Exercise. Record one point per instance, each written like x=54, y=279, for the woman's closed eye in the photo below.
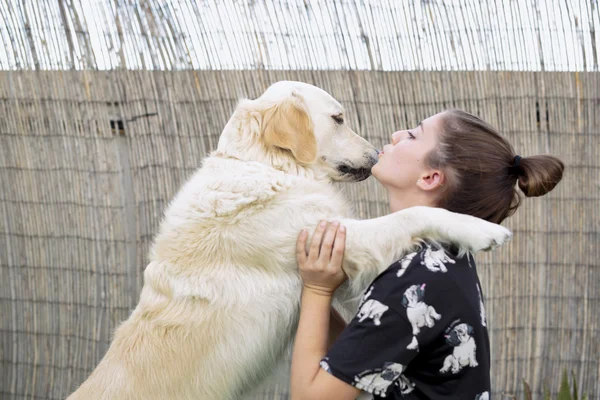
x=410, y=135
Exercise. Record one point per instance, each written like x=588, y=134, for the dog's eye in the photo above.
x=338, y=119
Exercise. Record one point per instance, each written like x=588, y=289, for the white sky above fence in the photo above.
x=388, y=35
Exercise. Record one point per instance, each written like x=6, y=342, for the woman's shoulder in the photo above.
x=431, y=265
x=432, y=259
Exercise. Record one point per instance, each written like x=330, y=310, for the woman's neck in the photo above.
x=400, y=201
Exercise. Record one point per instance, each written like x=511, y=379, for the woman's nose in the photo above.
x=396, y=137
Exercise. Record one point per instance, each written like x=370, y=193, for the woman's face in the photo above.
x=402, y=162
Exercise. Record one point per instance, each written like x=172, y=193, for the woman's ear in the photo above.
x=431, y=180
x=288, y=126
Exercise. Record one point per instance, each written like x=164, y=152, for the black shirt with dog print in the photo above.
x=420, y=332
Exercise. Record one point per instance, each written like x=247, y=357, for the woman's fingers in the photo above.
x=301, y=247
x=337, y=255
x=315, y=244
x=327, y=244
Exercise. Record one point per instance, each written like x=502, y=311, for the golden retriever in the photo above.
x=220, y=301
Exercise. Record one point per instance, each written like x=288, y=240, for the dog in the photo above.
x=435, y=260
x=405, y=385
x=463, y=354
x=379, y=381
x=419, y=314
x=221, y=296
x=404, y=263
x=372, y=309
x=481, y=307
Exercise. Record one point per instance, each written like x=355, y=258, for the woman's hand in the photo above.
x=321, y=269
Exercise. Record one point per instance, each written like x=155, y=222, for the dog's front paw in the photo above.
x=413, y=345
x=475, y=234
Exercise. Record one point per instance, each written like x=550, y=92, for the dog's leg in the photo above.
x=472, y=361
x=413, y=345
x=372, y=245
x=416, y=329
x=430, y=315
x=428, y=320
x=447, y=364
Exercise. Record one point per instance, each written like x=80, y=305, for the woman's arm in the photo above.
x=322, y=273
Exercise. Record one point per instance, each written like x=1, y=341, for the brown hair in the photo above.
x=481, y=169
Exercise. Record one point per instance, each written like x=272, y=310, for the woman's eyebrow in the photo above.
x=422, y=126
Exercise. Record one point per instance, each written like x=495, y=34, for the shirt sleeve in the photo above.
x=398, y=315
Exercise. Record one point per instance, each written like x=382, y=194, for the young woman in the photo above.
x=420, y=332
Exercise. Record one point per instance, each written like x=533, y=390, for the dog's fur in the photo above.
x=221, y=292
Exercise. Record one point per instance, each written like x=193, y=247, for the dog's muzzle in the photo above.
x=354, y=174
x=357, y=174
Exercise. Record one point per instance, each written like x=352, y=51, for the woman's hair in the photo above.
x=481, y=169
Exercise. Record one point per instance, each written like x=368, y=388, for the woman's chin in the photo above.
x=374, y=171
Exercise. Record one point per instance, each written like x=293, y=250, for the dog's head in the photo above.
x=460, y=334
x=391, y=371
x=296, y=124
x=413, y=295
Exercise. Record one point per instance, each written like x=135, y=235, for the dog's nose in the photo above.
x=374, y=157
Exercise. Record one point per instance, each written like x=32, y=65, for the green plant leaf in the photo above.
x=564, y=392
x=546, y=392
x=527, y=390
x=575, y=394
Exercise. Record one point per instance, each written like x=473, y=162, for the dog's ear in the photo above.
x=287, y=125
x=405, y=301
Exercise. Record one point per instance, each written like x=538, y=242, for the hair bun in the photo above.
x=537, y=175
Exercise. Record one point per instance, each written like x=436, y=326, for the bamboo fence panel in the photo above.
x=82, y=199
x=106, y=107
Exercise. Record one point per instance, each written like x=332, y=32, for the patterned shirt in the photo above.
x=420, y=332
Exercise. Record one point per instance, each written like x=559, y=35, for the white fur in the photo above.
x=221, y=293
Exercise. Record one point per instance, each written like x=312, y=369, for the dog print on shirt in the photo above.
x=404, y=263
x=379, y=380
x=404, y=384
x=372, y=309
x=463, y=355
x=412, y=307
x=435, y=260
x=366, y=296
x=481, y=307
x=325, y=365
x=418, y=313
